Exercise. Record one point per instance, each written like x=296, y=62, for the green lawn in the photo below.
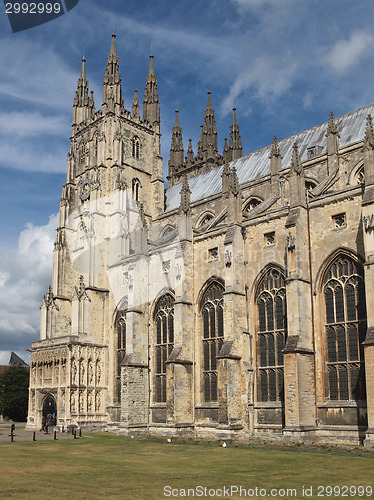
x=102, y=465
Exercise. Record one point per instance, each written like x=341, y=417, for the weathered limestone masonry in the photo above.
x=237, y=302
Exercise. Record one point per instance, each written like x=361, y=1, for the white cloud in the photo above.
x=348, y=52
x=266, y=78
x=25, y=273
x=33, y=155
x=30, y=71
x=31, y=124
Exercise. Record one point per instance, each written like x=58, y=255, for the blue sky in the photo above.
x=284, y=64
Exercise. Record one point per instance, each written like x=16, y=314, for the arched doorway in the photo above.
x=50, y=409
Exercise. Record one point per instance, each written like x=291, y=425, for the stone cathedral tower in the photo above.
x=237, y=302
x=114, y=183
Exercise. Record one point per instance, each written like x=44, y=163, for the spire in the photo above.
x=83, y=70
x=83, y=107
x=235, y=144
x=369, y=134
x=295, y=162
x=234, y=182
x=185, y=206
x=369, y=161
x=151, y=70
x=113, y=45
x=176, y=148
x=275, y=153
x=151, y=106
x=112, y=92
x=226, y=152
x=209, y=132
x=296, y=180
x=234, y=203
x=135, y=105
x=332, y=145
x=331, y=127
x=189, y=157
x=275, y=166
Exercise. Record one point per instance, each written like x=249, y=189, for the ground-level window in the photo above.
x=212, y=316
x=164, y=342
x=345, y=329
x=120, y=328
x=271, y=335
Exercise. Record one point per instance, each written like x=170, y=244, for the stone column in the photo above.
x=232, y=393
x=368, y=240
x=179, y=390
x=299, y=379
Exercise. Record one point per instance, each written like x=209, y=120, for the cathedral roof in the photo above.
x=351, y=129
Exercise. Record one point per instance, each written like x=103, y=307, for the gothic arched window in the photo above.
x=344, y=292
x=164, y=342
x=135, y=189
x=135, y=147
x=120, y=331
x=212, y=316
x=271, y=335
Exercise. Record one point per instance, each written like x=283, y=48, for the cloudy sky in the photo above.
x=284, y=64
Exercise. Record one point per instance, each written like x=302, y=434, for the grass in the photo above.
x=102, y=465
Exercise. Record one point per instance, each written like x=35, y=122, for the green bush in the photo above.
x=14, y=393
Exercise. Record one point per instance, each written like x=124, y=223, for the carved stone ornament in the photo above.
x=291, y=242
x=80, y=290
x=128, y=280
x=368, y=221
x=178, y=272
x=228, y=258
x=49, y=300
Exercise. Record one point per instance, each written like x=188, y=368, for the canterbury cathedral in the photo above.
x=235, y=303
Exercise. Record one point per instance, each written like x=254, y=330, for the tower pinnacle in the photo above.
x=112, y=92
x=151, y=106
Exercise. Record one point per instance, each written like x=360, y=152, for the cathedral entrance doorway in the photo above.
x=50, y=409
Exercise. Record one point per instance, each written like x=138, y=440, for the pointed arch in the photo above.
x=211, y=308
x=204, y=218
x=357, y=174
x=136, y=186
x=271, y=333
x=135, y=147
x=250, y=203
x=120, y=341
x=342, y=251
x=163, y=318
x=343, y=289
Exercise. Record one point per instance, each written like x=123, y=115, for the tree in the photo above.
x=14, y=392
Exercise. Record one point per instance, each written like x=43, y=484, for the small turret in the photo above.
x=135, y=105
x=176, y=148
x=235, y=143
x=369, y=155
x=332, y=145
x=189, y=157
x=112, y=92
x=84, y=106
x=275, y=166
x=151, y=106
x=297, y=180
x=209, y=132
x=185, y=206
